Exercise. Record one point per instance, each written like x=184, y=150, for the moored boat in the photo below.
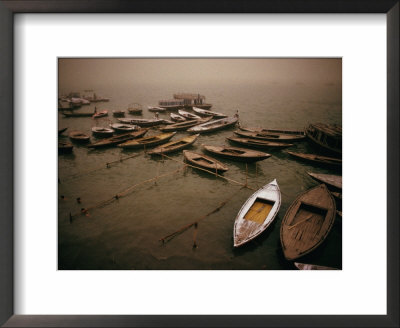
x=332, y=180
x=118, y=113
x=156, y=109
x=142, y=121
x=237, y=154
x=184, y=125
x=214, y=125
x=204, y=112
x=147, y=141
x=307, y=222
x=65, y=147
x=174, y=146
x=205, y=162
x=118, y=139
x=276, y=131
x=135, y=109
x=124, y=128
x=101, y=132
x=304, y=266
x=77, y=114
x=321, y=160
x=188, y=115
x=257, y=213
x=261, y=144
x=177, y=118
x=79, y=136
x=103, y=113
x=326, y=137
x=270, y=136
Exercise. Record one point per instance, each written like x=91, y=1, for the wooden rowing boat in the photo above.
x=269, y=136
x=188, y=115
x=215, y=125
x=118, y=139
x=184, y=125
x=135, y=109
x=65, y=147
x=101, y=132
x=332, y=180
x=204, y=112
x=147, y=141
x=142, y=121
x=326, y=137
x=79, y=136
x=261, y=144
x=205, y=162
x=174, y=145
x=103, y=113
x=177, y=118
x=322, y=160
x=77, y=114
x=303, y=266
x=257, y=213
x=124, y=128
x=237, y=154
x=118, y=113
x=276, y=131
x=307, y=222
x=156, y=109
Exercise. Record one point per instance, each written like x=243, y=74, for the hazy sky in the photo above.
x=89, y=73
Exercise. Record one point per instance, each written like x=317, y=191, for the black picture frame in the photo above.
x=10, y=7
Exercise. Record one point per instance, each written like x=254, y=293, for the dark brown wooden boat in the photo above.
x=118, y=113
x=184, y=125
x=79, y=136
x=275, y=131
x=237, y=154
x=330, y=180
x=147, y=141
x=205, y=162
x=118, y=139
x=326, y=137
x=269, y=136
x=174, y=146
x=318, y=159
x=261, y=144
x=77, y=114
x=65, y=147
x=101, y=132
x=214, y=125
x=307, y=222
x=135, y=109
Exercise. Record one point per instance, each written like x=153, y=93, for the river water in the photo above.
x=125, y=234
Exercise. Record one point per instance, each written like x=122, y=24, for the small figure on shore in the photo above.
x=237, y=114
x=156, y=115
x=95, y=109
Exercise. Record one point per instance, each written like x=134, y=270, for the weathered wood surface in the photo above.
x=204, y=161
x=147, y=141
x=304, y=266
x=174, y=145
x=261, y=144
x=322, y=160
x=257, y=213
x=214, y=125
x=329, y=179
x=307, y=222
x=270, y=136
x=119, y=139
x=237, y=154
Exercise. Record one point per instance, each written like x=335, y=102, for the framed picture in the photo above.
x=166, y=291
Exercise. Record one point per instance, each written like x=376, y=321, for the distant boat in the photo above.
x=60, y=131
x=329, y=179
x=307, y=222
x=79, y=136
x=118, y=139
x=257, y=213
x=204, y=112
x=280, y=137
x=261, y=144
x=124, y=128
x=177, y=118
x=318, y=159
x=188, y=115
x=101, y=132
x=214, y=125
x=237, y=154
x=184, y=125
x=65, y=147
x=103, y=113
x=275, y=131
x=142, y=121
x=118, y=113
x=205, y=162
x=147, y=141
x=174, y=146
x=77, y=114
x=303, y=266
x=190, y=100
x=156, y=109
x=135, y=109
x=326, y=137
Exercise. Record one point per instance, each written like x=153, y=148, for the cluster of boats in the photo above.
x=75, y=100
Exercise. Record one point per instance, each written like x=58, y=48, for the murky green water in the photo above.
x=125, y=234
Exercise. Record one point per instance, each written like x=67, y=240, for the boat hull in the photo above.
x=237, y=154
x=204, y=162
